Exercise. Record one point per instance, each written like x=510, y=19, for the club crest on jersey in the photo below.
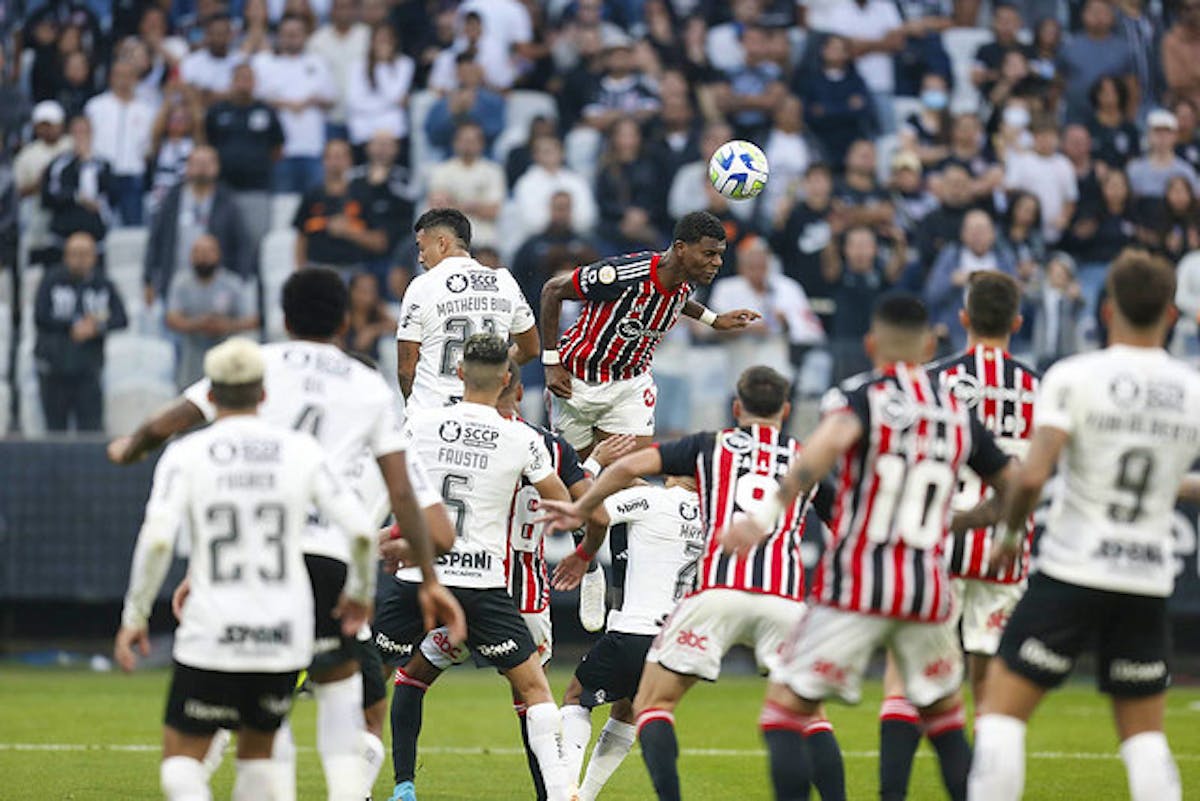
x=607, y=274
x=457, y=283
x=738, y=442
x=450, y=431
x=967, y=388
x=897, y=410
x=689, y=511
x=630, y=329
x=1125, y=391
x=222, y=451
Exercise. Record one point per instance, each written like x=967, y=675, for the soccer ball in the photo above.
x=738, y=170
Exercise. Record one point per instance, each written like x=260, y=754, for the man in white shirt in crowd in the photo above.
x=471, y=183
x=30, y=166
x=1150, y=174
x=209, y=69
x=121, y=126
x=876, y=33
x=342, y=42
x=546, y=176
x=299, y=87
x=1048, y=175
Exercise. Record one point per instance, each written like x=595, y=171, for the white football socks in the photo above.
x=1153, y=775
x=615, y=741
x=255, y=780
x=183, y=779
x=373, y=755
x=576, y=732
x=998, y=766
x=283, y=755
x=340, y=727
x=543, y=723
x=216, y=752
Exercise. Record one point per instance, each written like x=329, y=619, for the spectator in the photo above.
x=520, y=158
x=1115, y=139
x=927, y=131
x=623, y=90
x=162, y=54
x=388, y=189
x=342, y=43
x=532, y=264
x=471, y=100
x=14, y=104
x=787, y=329
x=508, y=29
x=1017, y=84
x=377, y=89
x=1097, y=51
x=629, y=192
x=1102, y=230
x=911, y=200
x=1187, y=139
x=1043, y=58
x=674, y=135
x=1181, y=53
x=580, y=80
x=966, y=149
x=205, y=305
x=178, y=128
x=488, y=52
x=471, y=183
x=978, y=250
x=753, y=90
x=334, y=222
x=942, y=226
x=686, y=193
x=806, y=231
x=725, y=43
x=299, y=87
x=369, y=318
x=1058, y=310
x=1141, y=27
x=255, y=34
x=1149, y=174
x=923, y=52
x=121, y=126
x=30, y=166
x=1022, y=234
x=76, y=86
x=858, y=195
x=859, y=277
x=1006, y=27
x=75, y=308
x=198, y=206
x=209, y=68
x=1046, y=173
x=533, y=190
x=1077, y=147
x=789, y=151
x=836, y=101
x=78, y=190
x=1174, y=223
x=875, y=33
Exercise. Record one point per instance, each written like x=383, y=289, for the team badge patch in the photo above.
x=738, y=442
x=607, y=274
x=450, y=431
x=457, y=283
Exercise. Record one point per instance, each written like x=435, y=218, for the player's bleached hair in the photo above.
x=695, y=225
x=451, y=219
x=763, y=391
x=1142, y=286
x=901, y=311
x=315, y=301
x=993, y=302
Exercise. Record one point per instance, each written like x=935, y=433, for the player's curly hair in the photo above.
x=315, y=301
x=695, y=225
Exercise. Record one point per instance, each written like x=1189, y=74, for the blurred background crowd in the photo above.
x=165, y=165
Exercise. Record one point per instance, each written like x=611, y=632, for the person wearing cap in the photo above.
x=912, y=200
x=31, y=163
x=1149, y=175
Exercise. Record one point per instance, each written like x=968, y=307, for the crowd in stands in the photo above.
x=912, y=142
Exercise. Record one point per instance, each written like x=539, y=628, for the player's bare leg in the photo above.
x=899, y=735
x=408, y=701
x=998, y=769
x=658, y=694
x=181, y=775
x=1148, y=762
x=529, y=683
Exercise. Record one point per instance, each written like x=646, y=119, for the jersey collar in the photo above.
x=654, y=260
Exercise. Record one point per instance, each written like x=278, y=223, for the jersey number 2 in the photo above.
x=458, y=330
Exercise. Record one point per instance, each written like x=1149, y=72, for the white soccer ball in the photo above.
x=738, y=170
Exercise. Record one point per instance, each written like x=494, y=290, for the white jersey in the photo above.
x=445, y=306
x=477, y=459
x=666, y=541
x=316, y=388
x=247, y=487
x=1133, y=416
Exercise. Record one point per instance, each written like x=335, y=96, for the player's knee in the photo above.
x=375, y=715
x=182, y=779
x=529, y=683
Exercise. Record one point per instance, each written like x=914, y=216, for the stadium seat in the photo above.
x=905, y=107
x=885, y=148
x=510, y=232
x=283, y=210
x=6, y=334
x=961, y=44
x=277, y=260
x=419, y=149
x=134, y=357
x=582, y=150
x=5, y=408
x=522, y=107
x=32, y=422
x=127, y=405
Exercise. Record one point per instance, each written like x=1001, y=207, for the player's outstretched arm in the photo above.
x=554, y=292
x=566, y=516
x=570, y=571
x=726, y=321
x=1023, y=493
x=179, y=416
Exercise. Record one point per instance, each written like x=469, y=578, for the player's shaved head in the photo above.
x=315, y=301
x=450, y=220
x=763, y=391
x=514, y=379
x=1141, y=286
x=993, y=303
x=485, y=363
x=899, y=330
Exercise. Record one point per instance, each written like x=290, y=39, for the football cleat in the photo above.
x=591, y=599
x=404, y=792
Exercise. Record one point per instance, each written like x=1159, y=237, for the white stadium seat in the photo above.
x=905, y=107
x=125, y=406
x=419, y=149
x=32, y=422
x=522, y=106
x=6, y=341
x=283, y=210
x=132, y=357
x=277, y=260
x=961, y=44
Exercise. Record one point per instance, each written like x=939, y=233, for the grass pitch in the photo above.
x=94, y=737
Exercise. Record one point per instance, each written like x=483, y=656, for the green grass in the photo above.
x=1072, y=745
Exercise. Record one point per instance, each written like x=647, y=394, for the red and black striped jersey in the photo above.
x=626, y=313
x=736, y=469
x=1000, y=390
x=894, y=487
x=525, y=564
